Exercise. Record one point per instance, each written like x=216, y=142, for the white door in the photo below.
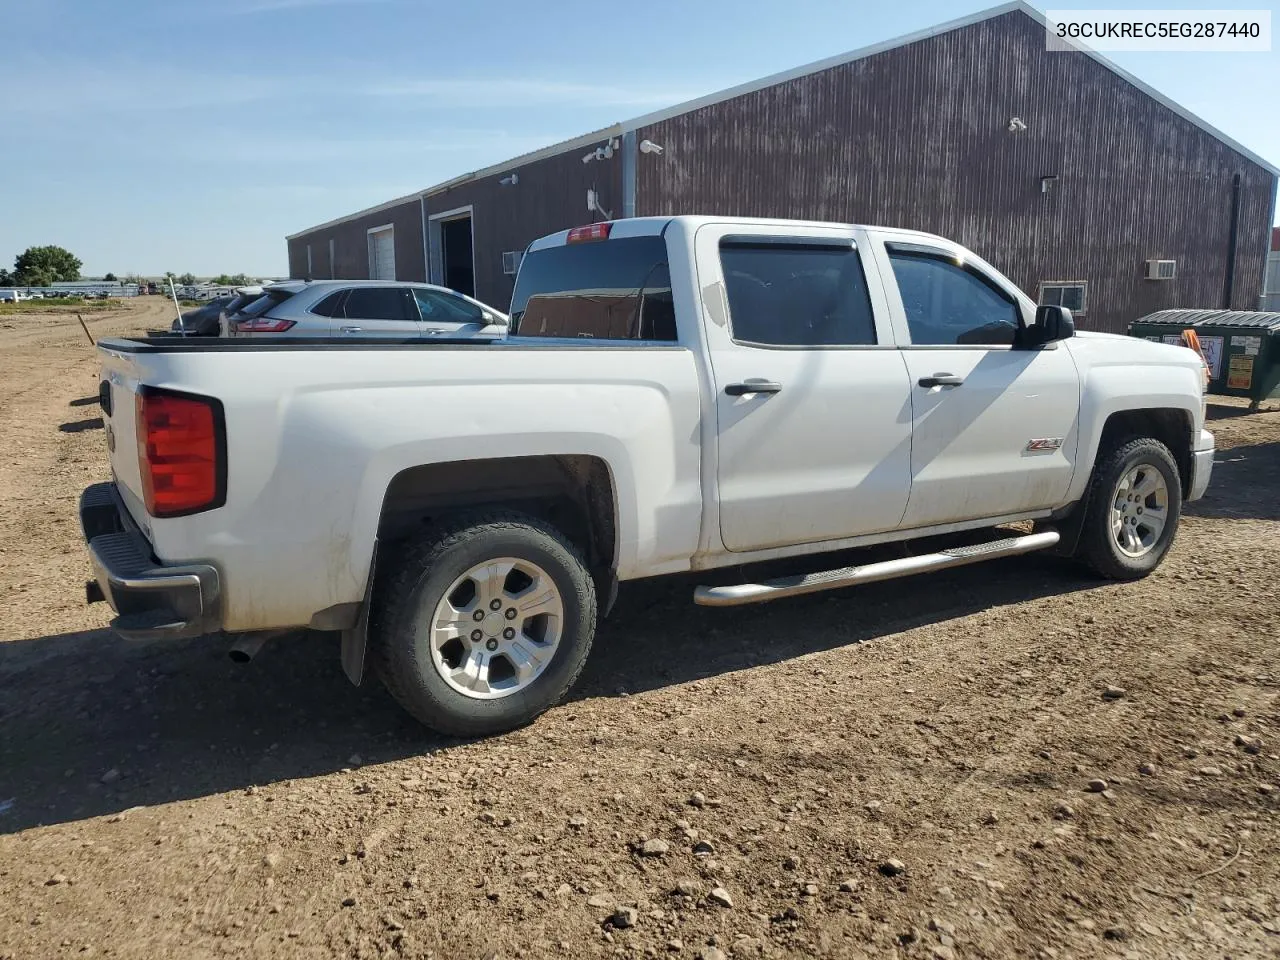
x=382, y=254
x=993, y=424
x=813, y=403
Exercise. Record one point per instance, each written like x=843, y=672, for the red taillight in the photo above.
x=592, y=231
x=263, y=325
x=180, y=445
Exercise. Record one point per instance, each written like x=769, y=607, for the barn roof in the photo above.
x=648, y=119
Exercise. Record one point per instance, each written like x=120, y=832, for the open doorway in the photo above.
x=453, y=251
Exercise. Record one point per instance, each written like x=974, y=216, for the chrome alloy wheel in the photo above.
x=1139, y=510
x=497, y=628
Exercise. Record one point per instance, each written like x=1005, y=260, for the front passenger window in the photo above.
x=947, y=304
x=442, y=308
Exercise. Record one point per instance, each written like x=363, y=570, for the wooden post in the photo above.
x=86, y=330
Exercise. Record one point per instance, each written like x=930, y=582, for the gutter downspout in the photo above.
x=1229, y=283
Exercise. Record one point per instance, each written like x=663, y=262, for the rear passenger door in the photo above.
x=378, y=312
x=812, y=399
x=444, y=315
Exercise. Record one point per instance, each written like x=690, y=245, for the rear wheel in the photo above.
x=1135, y=503
x=485, y=623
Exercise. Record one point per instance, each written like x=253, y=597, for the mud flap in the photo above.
x=356, y=639
x=1071, y=525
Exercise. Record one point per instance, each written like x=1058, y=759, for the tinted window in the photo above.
x=272, y=298
x=608, y=289
x=330, y=306
x=947, y=304
x=379, y=303
x=796, y=294
x=442, y=308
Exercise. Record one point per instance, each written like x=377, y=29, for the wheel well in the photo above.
x=573, y=493
x=1171, y=427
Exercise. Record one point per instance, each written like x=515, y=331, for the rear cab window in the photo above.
x=611, y=289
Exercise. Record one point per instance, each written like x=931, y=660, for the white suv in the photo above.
x=365, y=308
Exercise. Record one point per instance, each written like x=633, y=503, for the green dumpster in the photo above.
x=1242, y=347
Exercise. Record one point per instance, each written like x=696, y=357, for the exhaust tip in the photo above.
x=246, y=646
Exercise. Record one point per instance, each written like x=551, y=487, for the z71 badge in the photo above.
x=1044, y=443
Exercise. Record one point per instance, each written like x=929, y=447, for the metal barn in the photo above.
x=1085, y=186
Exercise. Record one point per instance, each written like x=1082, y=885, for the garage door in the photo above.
x=382, y=254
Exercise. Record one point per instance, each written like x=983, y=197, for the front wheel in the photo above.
x=484, y=624
x=1135, y=502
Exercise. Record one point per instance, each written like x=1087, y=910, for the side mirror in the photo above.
x=1052, y=324
x=496, y=319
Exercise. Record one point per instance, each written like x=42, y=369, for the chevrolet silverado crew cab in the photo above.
x=678, y=394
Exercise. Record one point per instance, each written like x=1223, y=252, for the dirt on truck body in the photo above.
x=1007, y=760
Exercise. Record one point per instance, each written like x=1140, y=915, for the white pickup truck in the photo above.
x=678, y=394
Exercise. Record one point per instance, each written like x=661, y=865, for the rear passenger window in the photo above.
x=793, y=293
x=606, y=289
x=948, y=304
x=380, y=303
x=330, y=306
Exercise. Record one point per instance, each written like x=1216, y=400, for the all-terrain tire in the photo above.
x=416, y=580
x=1098, y=546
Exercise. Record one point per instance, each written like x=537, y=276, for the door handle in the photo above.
x=352, y=329
x=752, y=386
x=941, y=380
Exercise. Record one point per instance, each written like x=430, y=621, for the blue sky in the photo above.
x=153, y=135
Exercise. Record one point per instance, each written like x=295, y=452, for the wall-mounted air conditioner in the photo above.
x=1162, y=269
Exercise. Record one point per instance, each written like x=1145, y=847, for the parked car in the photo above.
x=680, y=394
x=365, y=308
x=209, y=320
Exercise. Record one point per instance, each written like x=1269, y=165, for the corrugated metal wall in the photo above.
x=918, y=137
x=351, y=246
x=551, y=195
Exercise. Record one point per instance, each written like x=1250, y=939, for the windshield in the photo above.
x=607, y=289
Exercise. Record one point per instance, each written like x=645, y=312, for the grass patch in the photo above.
x=60, y=305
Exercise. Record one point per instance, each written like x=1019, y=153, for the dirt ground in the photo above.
x=900, y=770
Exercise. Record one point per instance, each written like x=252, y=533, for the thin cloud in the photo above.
x=512, y=92
x=272, y=6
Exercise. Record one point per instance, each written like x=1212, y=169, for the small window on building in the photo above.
x=1064, y=293
x=511, y=262
x=793, y=293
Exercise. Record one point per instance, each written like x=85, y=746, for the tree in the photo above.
x=6, y=278
x=231, y=279
x=42, y=266
x=110, y=278
x=186, y=280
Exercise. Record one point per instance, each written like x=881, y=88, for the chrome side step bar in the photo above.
x=740, y=593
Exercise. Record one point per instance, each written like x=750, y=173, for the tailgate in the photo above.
x=117, y=391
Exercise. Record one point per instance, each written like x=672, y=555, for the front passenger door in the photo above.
x=379, y=312
x=993, y=425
